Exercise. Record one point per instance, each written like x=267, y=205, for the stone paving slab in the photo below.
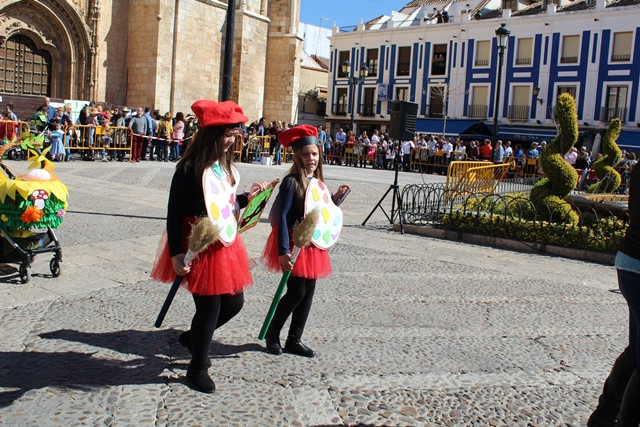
x=409, y=330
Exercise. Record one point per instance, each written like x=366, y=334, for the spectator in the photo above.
x=533, y=152
x=177, y=136
x=138, y=126
x=508, y=151
x=572, y=156
x=148, y=142
x=486, y=151
x=164, y=131
x=338, y=147
x=407, y=148
x=39, y=121
x=49, y=111
x=498, y=152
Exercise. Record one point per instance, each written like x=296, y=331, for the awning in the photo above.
x=453, y=127
x=629, y=140
x=523, y=134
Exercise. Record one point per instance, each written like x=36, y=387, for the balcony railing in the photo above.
x=481, y=62
x=608, y=114
x=339, y=109
x=618, y=58
x=368, y=110
x=569, y=60
x=477, y=111
x=434, y=111
x=518, y=112
x=523, y=61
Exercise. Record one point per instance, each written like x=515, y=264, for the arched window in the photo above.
x=24, y=69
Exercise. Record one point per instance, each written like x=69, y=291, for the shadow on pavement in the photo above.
x=25, y=371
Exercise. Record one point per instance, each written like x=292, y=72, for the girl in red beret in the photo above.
x=301, y=190
x=204, y=185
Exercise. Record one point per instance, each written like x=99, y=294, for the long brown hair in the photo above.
x=299, y=172
x=205, y=149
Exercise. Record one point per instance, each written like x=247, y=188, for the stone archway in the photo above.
x=56, y=28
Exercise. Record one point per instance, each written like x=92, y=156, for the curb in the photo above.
x=509, y=244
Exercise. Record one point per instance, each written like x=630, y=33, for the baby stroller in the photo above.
x=31, y=206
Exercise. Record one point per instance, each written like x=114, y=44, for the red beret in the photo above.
x=299, y=136
x=212, y=113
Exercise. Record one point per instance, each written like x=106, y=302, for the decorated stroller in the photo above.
x=31, y=206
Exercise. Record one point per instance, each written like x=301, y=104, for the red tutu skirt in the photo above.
x=311, y=262
x=218, y=270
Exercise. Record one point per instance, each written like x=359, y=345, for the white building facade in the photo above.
x=443, y=56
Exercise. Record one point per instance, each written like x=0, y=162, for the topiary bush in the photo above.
x=561, y=177
x=609, y=178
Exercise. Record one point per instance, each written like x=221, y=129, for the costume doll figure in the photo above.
x=302, y=187
x=204, y=185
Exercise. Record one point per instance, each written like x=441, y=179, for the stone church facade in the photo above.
x=159, y=53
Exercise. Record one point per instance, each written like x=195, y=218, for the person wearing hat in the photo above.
x=204, y=186
x=312, y=262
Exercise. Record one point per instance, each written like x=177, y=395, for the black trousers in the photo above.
x=297, y=303
x=212, y=311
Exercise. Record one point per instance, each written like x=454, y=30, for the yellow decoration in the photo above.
x=215, y=212
x=315, y=194
x=9, y=187
x=325, y=215
x=4, y=218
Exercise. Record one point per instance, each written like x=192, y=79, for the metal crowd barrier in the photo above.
x=102, y=138
x=12, y=128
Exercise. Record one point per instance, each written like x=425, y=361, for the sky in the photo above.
x=346, y=12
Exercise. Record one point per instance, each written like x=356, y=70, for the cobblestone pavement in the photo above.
x=408, y=331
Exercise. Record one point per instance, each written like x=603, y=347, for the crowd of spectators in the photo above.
x=153, y=136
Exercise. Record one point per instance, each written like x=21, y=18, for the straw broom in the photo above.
x=203, y=233
x=301, y=236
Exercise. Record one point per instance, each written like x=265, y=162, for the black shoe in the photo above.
x=299, y=349
x=273, y=344
x=200, y=380
x=185, y=340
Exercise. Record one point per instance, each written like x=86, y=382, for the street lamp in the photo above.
x=502, y=35
x=353, y=83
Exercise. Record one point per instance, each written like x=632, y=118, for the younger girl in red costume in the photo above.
x=204, y=184
x=301, y=190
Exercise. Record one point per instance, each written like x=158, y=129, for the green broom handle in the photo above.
x=276, y=298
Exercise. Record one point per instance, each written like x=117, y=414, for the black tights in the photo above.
x=212, y=311
x=296, y=301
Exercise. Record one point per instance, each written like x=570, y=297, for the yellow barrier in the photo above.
x=88, y=137
x=11, y=128
x=478, y=177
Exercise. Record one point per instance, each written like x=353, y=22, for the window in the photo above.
x=571, y=90
x=436, y=101
x=519, y=108
x=372, y=62
x=404, y=61
x=439, y=60
x=616, y=103
x=570, y=49
x=340, y=108
x=343, y=56
x=402, y=94
x=483, y=49
x=479, y=97
x=621, y=47
x=24, y=69
x=524, y=52
x=369, y=104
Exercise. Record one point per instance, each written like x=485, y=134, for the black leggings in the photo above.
x=212, y=311
x=298, y=301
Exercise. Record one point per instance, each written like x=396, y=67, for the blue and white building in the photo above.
x=443, y=56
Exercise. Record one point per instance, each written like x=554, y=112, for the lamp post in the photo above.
x=354, y=81
x=502, y=35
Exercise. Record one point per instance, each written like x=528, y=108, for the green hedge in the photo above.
x=603, y=236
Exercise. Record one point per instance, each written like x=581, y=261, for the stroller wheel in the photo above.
x=55, y=267
x=25, y=273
